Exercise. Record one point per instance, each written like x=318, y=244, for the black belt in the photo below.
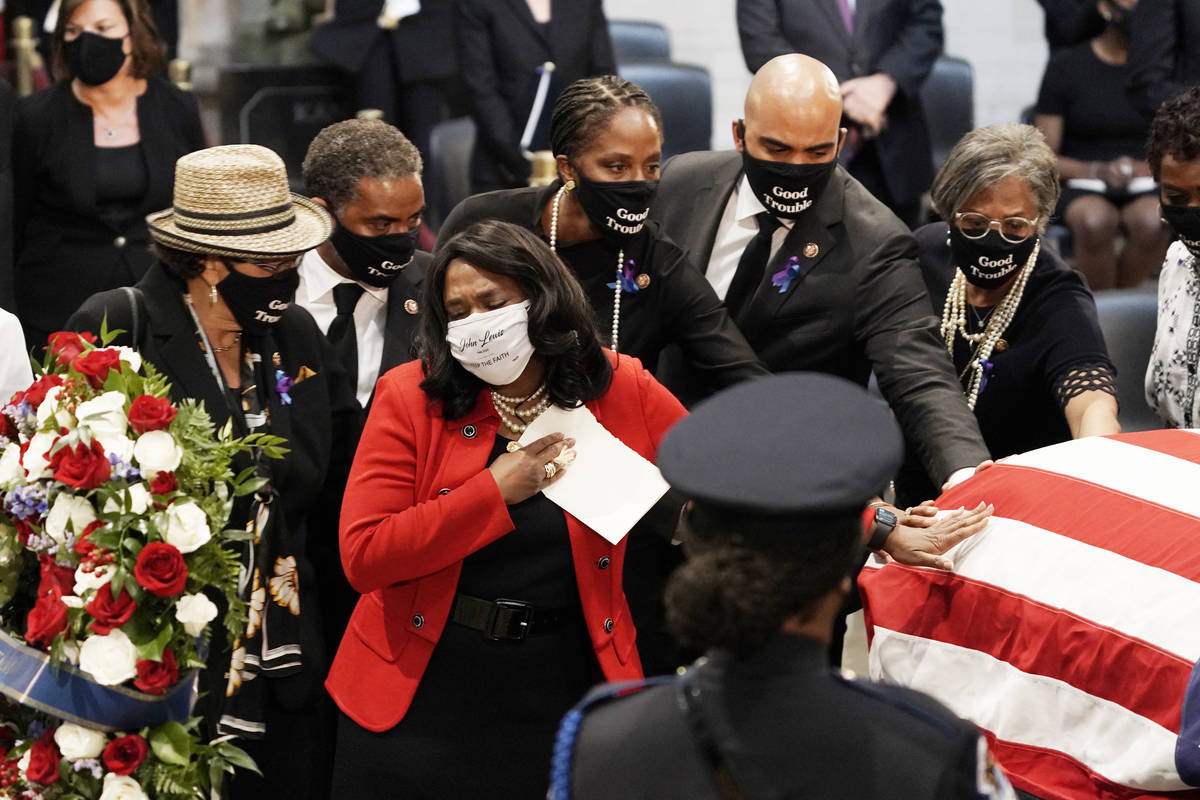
x=508, y=620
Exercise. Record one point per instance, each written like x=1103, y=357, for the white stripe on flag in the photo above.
x=1110, y=740
x=1093, y=583
x=1148, y=474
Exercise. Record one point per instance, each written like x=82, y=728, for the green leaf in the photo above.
x=237, y=756
x=153, y=649
x=171, y=743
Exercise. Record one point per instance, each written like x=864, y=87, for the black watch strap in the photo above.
x=885, y=523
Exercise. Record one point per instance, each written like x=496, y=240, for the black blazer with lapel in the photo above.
x=901, y=38
x=500, y=48
x=65, y=251
x=423, y=44
x=857, y=305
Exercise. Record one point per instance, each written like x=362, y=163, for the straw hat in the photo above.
x=234, y=201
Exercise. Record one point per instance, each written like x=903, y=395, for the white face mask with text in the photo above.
x=493, y=346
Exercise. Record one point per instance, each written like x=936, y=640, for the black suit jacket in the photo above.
x=8, y=101
x=65, y=251
x=500, y=48
x=901, y=38
x=858, y=304
x=422, y=44
x=1163, y=58
x=787, y=727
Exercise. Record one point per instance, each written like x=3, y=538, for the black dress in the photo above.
x=483, y=720
x=1054, y=350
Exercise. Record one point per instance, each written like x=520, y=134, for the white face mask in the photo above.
x=494, y=345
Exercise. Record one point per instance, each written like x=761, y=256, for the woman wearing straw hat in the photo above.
x=215, y=316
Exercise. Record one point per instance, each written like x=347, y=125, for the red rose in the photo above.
x=124, y=754
x=83, y=545
x=36, y=392
x=160, y=569
x=24, y=529
x=155, y=677
x=43, y=759
x=66, y=346
x=148, y=413
x=84, y=467
x=163, y=483
x=110, y=613
x=52, y=575
x=47, y=618
x=8, y=430
x=95, y=365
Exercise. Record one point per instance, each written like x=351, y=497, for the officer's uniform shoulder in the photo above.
x=911, y=708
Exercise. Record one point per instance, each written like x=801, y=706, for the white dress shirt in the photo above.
x=315, y=295
x=737, y=229
x=15, y=372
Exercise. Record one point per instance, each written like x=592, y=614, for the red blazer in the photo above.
x=420, y=500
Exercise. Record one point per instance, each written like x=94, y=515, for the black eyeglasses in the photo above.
x=1012, y=229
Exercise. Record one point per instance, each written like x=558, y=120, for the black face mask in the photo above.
x=990, y=260
x=258, y=303
x=618, y=209
x=1185, y=220
x=95, y=59
x=374, y=260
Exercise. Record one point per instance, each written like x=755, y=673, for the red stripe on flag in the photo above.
x=1032, y=637
x=1087, y=512
x=1052, y=775
x=1180, y=444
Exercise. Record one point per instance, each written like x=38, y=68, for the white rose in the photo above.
x=139, y=501
x=121, y=787
x=186, y=526
x=49, y=408
x=90, y=581
x=37, y=456
x=23, y=764
x=110, y=659
x=103, y=415
x=130, y=357
x=11, y=472
x=195, y=611
x=155, y=452
x=72, y=601
x=76, y=742
x=69, y=510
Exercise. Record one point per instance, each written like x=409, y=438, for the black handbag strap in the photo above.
x=136, y=302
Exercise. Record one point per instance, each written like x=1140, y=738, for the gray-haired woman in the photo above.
x=1019, y=324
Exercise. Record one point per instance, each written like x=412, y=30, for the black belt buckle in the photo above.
x=509, y=621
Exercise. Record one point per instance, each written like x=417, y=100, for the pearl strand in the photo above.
x=616, y=315
x=506, y=408
x=954, y=322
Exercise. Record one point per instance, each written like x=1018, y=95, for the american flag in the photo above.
x=1069, y=628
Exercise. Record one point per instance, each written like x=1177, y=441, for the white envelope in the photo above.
x=608, y=487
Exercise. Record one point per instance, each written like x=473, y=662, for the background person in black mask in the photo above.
x=361, y=286
x=215, y=316
x=1173, y=151
x=92, y=155
x=607, y=136
x=816, y=272
x=1020, y=324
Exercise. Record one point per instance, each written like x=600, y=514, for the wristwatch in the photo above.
x=885, y=522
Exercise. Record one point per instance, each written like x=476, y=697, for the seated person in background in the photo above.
x=1019, y=324
x=487, y=609
x=1070, y=21
x=361, y=287
x=1089, y=121
x=1173, y=151
x=92, y=156
x=772, y=533
x=1163, y=56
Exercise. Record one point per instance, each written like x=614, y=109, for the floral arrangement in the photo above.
x=113, y=548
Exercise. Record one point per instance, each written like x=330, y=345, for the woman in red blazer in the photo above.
x=487, y=610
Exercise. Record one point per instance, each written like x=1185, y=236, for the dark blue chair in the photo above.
x=1128, y=318
x=683, y=93
x=448, y=170
x=948, y=97
x=639, y=41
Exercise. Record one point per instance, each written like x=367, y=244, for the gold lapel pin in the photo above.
x=642, y=281
x=1001, y=345
x=811, y=250
x=410, y=306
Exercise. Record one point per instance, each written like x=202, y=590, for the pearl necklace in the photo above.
x=506, y=407
x=616, y=315
x=954, y=322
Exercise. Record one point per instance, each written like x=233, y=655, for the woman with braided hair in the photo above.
x=1019, y=324
x=606, y=134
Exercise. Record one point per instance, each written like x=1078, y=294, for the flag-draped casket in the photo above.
x=1069, y=628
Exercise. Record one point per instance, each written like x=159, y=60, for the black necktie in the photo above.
x=341, y=331
x=751, y=265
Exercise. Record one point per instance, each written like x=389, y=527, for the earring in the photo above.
x=212, y=294
x=947, y=238
x=569, y=185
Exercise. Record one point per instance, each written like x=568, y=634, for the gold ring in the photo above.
x=551, y=470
